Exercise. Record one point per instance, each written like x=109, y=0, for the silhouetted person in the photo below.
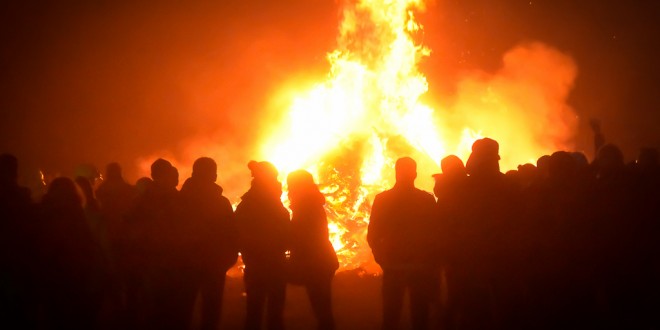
x=161, y=234
x=95, y=219
x=647, y=178
x=489, y=250
x=213, y=237
x=132, y=258
x=542, y=164
x=72, y=261
x=313, y=260
x=450, y=190
x=115, y=197
x=17, y=302
x=527, y=175
x=599, y=138
x=580, y=159
x=263, y=224
x=10, y=192
x=558, y=224
x=617, y=233
x=142, y=185
x=108, y=281
x=89, y=172
x=399, y=235
x=453, y=175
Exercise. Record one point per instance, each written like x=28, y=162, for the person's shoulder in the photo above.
x=248, y=202
x=187, y=186
x=242, y=209
x=384, y=195
x=389, y=192
x=423, y=194
x=224, y=200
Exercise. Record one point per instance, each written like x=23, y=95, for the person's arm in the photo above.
x=599, y=138
x=374, y=230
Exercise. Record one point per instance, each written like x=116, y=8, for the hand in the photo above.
x=595, y=125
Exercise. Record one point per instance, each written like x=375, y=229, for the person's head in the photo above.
x=113, y=172
x=484, y=159
x=85, y=187
x=264, y=176
x=263, y=171
x=527, y=173
x=205, y=169
x=142, y=185
x=164, y=174
x=609, y=159
x=406, y=170
x=299, y=182
x=62, y=191
x=452, y=166
x=561, y=165
x=543, y=162
x=581, y=161
x=8, y=168
x=88, y=171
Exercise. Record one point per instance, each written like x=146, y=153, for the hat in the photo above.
x=486, y=148
x=452, y=165
x=484, y=151
x=263, y=170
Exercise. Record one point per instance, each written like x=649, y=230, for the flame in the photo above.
x=350, y=129
x=343, y=130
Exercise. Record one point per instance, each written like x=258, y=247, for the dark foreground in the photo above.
x=356, y=304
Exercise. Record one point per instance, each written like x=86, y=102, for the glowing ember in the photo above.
x=351, y=128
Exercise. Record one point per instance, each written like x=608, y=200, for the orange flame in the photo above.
x=349, y=129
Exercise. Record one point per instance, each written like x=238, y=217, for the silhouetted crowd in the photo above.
x=138, y=257
x=566, y=244
x=563, y=244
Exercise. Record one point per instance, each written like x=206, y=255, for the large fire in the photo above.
x=349, y=129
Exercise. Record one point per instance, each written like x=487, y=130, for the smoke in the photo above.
x=523, y=105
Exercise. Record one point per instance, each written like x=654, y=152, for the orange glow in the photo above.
x=349, y=129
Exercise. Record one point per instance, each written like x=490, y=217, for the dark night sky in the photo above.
x=96, y=81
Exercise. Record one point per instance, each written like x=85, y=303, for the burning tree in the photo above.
x=349, y=129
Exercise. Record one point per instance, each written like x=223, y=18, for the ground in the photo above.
x=356, y=303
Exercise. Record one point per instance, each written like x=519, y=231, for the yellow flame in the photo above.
x=341, y=129
x=349, y=130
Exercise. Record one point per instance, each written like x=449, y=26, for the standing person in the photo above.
x=399, y=237
x=213, y=237
x=449, y=189
x=115, y=197
x=160, y=232
x=71, y=261
x=313, y=260
x=489, y=236
x=132, y=259
x=263, y=226
x=17, y=300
